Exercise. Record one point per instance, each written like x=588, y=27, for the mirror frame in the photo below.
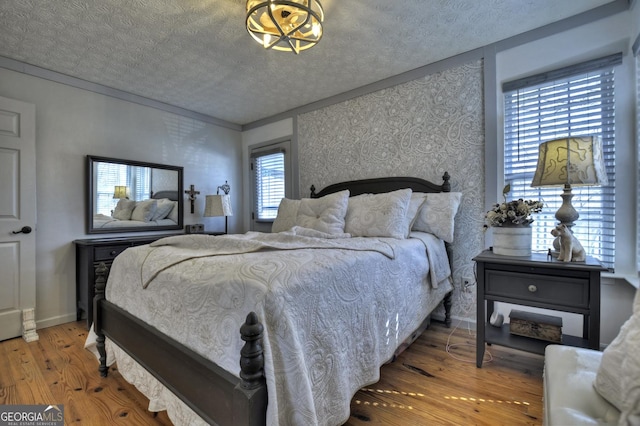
x=92, y=159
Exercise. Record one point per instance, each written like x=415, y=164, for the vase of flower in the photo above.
x=512, y=240
x=510, y=222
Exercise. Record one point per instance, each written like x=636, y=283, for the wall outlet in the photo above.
x=468, y=283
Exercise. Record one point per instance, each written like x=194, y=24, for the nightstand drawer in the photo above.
x=108, y=252
x=546, y=289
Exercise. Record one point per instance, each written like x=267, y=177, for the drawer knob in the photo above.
x=113, y=253
x=533, y=288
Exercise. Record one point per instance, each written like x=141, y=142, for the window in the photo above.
x=573, y=101
x=109, y=175
x=269, y=177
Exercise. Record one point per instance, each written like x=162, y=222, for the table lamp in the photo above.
x=219, y=205
x=121, y=192
x=567, y=162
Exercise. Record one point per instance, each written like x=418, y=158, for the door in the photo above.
x=17, y=219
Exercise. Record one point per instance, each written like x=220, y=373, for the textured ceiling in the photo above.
x=197, y=55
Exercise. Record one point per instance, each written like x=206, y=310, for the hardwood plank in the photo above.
x=425, y=385
x=68, y=373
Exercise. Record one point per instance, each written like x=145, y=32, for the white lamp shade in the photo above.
x=121, y=192
x=575, y=161
x=218, y=205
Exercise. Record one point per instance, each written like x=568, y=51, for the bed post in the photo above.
x=101, y=283
x=446, y=186
x=250, y=398
x=447, y=308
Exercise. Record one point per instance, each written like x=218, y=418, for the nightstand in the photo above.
x=541, y=282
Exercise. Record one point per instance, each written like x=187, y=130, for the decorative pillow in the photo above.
x=437, y=213
x=123, y=209
x=325, y=214
x=287, y=214
x=618, y=377
x=144, y=210
x=173, y=213
x=378, y=215
x=163, y=209
x=416, y=202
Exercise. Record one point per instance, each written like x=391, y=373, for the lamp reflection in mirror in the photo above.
x=567, y=162
x=121, y=192
x=219, y=205
x=290, y=26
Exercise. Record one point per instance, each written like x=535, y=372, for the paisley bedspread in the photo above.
x=334, y=310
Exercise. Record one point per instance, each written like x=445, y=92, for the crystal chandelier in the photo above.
x=293, y=25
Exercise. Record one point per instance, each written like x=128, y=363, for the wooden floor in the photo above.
x=426, y=385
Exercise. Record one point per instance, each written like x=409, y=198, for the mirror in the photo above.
x=130, y=196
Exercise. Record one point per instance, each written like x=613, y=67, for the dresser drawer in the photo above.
x=549, y=289
x=108, y=252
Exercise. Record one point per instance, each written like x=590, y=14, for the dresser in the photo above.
x=538, y=281
x=89, y=253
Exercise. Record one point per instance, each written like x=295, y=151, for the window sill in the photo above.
x=630, y=279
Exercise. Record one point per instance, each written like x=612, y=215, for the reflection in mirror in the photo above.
x=127, y=196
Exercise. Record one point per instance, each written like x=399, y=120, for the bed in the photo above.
x=161, y=209
x=297, y=307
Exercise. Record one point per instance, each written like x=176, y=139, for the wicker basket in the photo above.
x=536, y=326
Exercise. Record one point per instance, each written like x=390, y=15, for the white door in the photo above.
x=17, y=219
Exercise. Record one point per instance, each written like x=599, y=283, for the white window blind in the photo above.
x=110, y=175
x=573, y=101
x=269, y=177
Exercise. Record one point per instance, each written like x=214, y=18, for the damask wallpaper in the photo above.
x=421, y=128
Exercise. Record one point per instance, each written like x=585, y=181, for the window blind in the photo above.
x=269, y=177
x=572, y=104
x=137, y=179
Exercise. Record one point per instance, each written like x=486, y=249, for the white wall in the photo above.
x=72, y=123
x=604, y=37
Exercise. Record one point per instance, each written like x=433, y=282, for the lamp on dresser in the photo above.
x=219, y=205
x=567, y=162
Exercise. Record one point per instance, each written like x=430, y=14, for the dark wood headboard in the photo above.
x=385, y=184
x=172, y=195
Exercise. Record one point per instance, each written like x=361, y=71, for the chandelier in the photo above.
x=292, y=25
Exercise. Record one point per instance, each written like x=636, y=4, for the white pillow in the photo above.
x=378, y=215
x=123, y=209
x=416, y=202
x=618, y=377
x=287, y=214
x=437, y=213
x=144, y=210
x=325, y=214
x=163, y=209
x=173, y=213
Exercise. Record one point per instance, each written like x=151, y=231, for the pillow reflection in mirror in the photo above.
x=144, y=210
x=165, y=206
x=124, y=209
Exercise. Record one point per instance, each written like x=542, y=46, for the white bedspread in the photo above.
x=333, y=313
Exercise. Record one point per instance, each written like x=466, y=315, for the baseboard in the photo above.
x=50, y=322
x=460, y=322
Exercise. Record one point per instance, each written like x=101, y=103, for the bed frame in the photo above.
x=213, y=393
